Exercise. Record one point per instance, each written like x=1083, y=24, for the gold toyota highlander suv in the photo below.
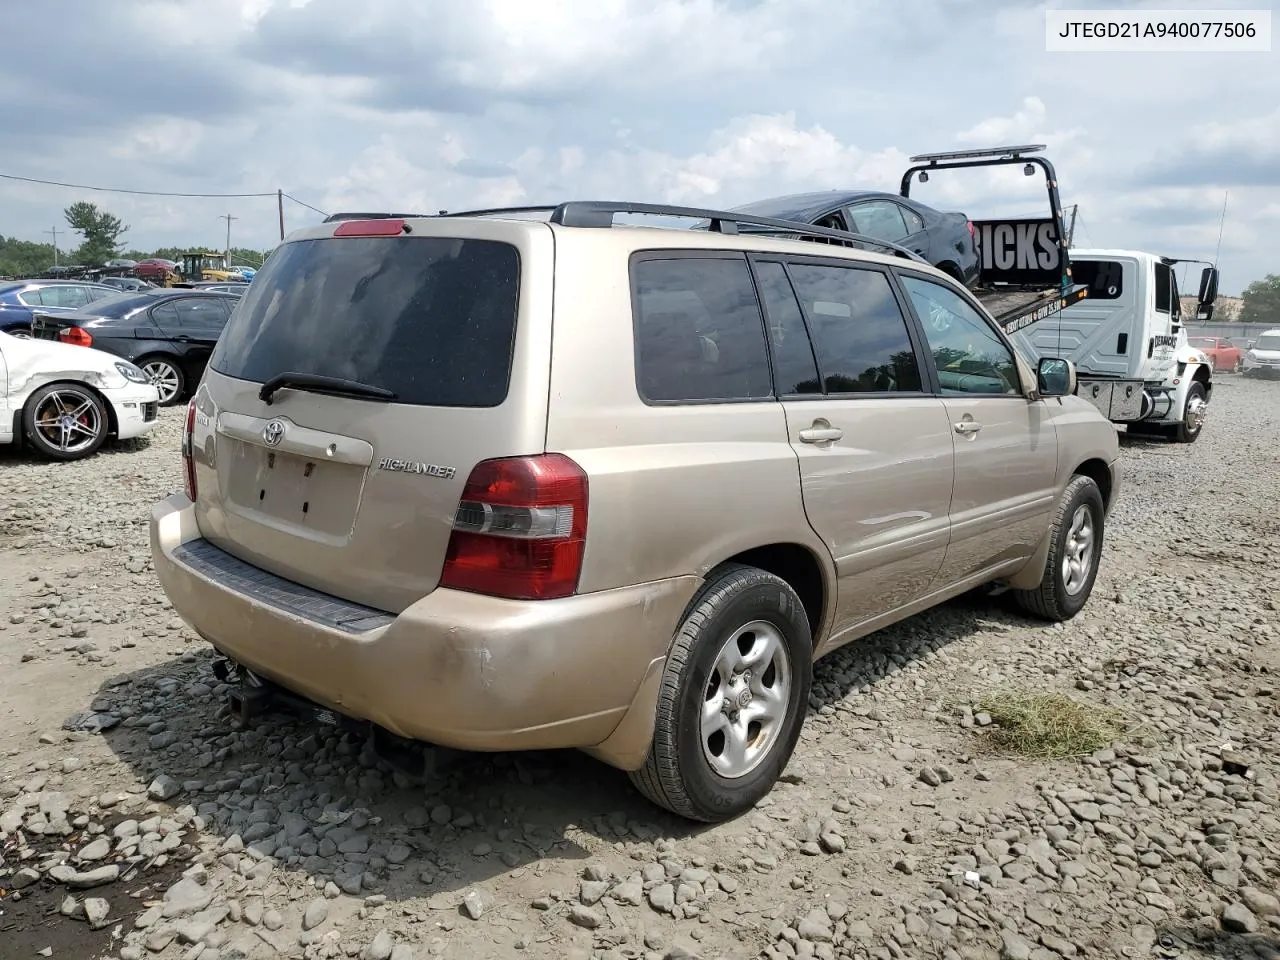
x=501, y=483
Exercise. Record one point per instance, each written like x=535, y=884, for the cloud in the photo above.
x=468, y=103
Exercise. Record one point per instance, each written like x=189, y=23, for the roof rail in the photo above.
x=335, y=217
x=600, y=213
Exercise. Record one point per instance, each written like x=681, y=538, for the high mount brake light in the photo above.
x=520, y=530
x=76, y=336
x=188, y=452
x=369, y=228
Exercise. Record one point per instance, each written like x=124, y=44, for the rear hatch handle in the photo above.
x=315, y=383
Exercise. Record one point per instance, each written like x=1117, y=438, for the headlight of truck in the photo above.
x=132, y=374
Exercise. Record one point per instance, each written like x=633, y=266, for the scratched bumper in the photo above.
x=456, y=669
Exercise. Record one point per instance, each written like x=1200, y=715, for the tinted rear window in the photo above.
x=431, y=319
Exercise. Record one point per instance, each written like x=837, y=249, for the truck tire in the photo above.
x=1192, y=422
x=1075, y=547
x=711, y=763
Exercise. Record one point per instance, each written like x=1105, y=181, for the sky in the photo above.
x=452, y=104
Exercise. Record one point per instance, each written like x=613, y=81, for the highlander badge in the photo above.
x=415, y=466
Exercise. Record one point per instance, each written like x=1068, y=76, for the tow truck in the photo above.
x=1117, y=312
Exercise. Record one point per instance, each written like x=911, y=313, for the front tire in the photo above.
x=65, y=421
x=1193, y=414
x=1075, y=546
x=733, y=698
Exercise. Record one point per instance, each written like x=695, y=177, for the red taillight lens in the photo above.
x=520, y=529
x=76, y=336
x=188, y=451
x=973, y=234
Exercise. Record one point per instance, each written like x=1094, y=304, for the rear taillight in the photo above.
x=520, y=529
x=973, y=234
x=188, y=451
x=76, y=336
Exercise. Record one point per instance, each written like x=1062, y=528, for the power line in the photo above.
x=142, y=193
x=307, y=205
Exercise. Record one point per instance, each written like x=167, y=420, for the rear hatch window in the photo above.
x=430, y=319
x=391, y=360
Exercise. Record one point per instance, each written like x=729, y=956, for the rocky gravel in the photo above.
x=137, y=822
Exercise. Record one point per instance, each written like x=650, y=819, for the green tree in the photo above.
x=101, y=231
x=20, y=258
x=1262, y=301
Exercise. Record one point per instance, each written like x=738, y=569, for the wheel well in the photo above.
x=1099, y=473
x=1202, y=375
x=951, y=269
x=113, y=426
x=799, y=568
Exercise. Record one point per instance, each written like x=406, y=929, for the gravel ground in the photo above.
x=134, y=822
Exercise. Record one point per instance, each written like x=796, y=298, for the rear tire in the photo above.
x=167, y=377
x=713, y=755
x=1075, y=546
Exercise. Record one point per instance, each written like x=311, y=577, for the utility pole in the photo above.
x=280, y=211
x=1071, y=230
x=227, y=254
x=54, y=231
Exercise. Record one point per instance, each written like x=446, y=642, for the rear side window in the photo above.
x=859, y=333
x=432, y=319
x=699, y=332
x=1104, y=278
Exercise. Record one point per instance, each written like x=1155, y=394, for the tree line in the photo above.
x=101, y=239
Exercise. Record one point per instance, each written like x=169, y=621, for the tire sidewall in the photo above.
x=773, y=602
x=1084, y=494
x=37, y=439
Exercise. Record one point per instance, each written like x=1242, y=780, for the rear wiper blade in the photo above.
x=315, y=383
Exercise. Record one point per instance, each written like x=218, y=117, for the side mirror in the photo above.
x=1208, y=286
x=1055, y=377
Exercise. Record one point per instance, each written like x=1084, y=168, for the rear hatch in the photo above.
x=400, y=362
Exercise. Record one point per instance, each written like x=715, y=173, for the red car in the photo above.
x=1226, y=356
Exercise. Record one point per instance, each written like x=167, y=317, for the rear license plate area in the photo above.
x=284, y=489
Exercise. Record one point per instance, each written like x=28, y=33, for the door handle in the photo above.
x=821, y=432
x=967, y=426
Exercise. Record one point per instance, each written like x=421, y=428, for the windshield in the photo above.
x=1268, y=341
x=431, y=319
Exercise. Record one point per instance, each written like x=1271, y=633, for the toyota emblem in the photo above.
x=273, y=433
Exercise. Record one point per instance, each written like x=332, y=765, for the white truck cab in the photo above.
x=1128, y=344
x=1115, y=314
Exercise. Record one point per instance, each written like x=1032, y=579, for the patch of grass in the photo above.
x=1049, y=725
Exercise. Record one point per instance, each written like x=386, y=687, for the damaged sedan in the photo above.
x=66, y=401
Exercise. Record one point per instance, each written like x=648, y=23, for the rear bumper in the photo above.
x=456, y=669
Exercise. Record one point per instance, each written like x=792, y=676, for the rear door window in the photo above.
x=859, y=332
x=432, y=319
x=699, y=331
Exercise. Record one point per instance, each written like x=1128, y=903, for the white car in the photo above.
x=66, y=400
x=1263, y=358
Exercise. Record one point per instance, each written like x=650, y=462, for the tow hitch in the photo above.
x=251, y=696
